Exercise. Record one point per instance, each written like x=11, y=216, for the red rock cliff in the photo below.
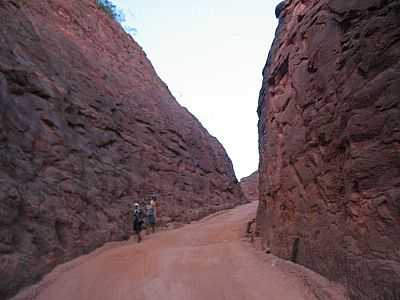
x=329, y=134
x=249, y=186
x=86, y=129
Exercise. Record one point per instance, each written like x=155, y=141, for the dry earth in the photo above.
x=209, y=259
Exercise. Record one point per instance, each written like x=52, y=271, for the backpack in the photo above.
x=138, y=216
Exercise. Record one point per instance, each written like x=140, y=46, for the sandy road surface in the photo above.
x=205, y=260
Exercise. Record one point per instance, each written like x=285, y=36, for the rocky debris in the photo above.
x=329, y=132
x=86, y=129
x=251, y=230
x=249, y=186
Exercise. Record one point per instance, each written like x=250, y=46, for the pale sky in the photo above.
x=211, y=54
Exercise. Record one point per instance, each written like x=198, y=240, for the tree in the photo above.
x=110, y=9
x=117, y=14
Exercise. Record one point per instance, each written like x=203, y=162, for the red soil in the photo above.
x=209, y=259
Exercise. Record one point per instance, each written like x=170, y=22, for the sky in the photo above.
x=211, y=54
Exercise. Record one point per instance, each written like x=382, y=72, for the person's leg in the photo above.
x=153, y=227
x=148, y=228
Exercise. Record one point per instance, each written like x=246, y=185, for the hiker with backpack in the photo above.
x=138, y=221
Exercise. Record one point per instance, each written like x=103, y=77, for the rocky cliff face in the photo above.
x=87, y=129
x=249, y=186
x=330, y=142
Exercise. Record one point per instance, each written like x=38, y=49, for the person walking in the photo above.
x=153, y=203
x=138, y=221
x=151, y=217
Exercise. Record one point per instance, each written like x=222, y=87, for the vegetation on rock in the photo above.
x=115, y=13
x=111, y=9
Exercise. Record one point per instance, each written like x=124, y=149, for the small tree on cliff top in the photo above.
x=110, y=9
x=117, y=14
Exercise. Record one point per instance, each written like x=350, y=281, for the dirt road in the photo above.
x=209, y=259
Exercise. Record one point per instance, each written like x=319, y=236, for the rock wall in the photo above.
x=329, y=137
x=86, y=129
x=249, y=186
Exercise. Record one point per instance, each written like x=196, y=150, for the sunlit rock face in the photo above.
x=329, y=139
x=86, y=129
x=249, y=186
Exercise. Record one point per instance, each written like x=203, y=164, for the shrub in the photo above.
x=110, y=9
x=117, y=14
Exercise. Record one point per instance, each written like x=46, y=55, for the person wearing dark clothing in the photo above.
x=138, y=221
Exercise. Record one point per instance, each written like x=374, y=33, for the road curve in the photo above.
x=208, y=259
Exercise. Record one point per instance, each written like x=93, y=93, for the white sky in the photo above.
x=211, y=54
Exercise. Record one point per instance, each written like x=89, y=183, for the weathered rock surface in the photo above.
x=86, y=129
x=249, y=186
x=330, y=142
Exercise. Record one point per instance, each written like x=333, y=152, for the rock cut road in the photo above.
x=209, y=259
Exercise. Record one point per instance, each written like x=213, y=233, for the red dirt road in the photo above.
x=209, y=259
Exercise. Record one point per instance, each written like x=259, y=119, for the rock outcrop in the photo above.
x=86, y=129
x=249, y=186
x=329, y=135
